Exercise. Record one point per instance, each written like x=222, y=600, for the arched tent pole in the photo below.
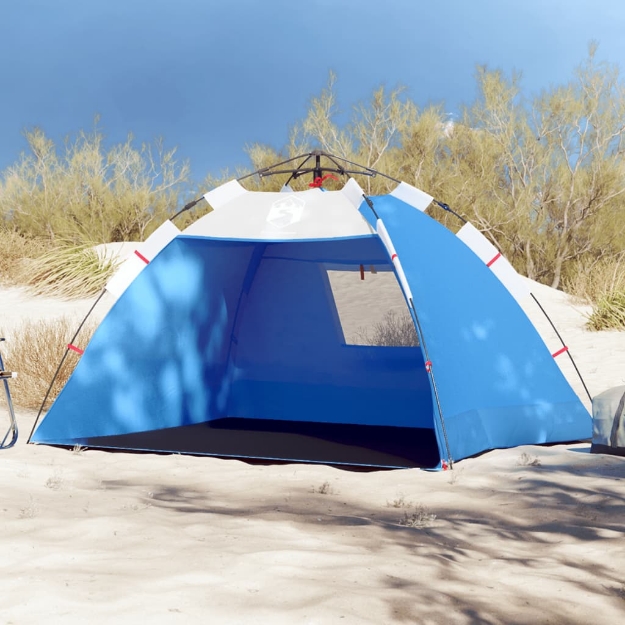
x=10, y=438
x=265, y=171
x=317, y=169
x=70, y=347
x=446, y=207
x=364, y=170
x=293, y=176
x=269, y=171
x=187, y=207
x=564, y=346
x=408, y=295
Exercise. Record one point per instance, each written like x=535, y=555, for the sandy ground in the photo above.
x=526, y=535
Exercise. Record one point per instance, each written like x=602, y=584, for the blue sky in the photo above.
x=210, y=77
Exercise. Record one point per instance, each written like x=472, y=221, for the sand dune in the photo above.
x=525, y=535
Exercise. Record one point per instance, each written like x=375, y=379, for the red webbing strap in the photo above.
x=142, y=257
x=494, y=259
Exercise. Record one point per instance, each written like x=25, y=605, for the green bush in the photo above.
x=89, y=192
x=609, y=312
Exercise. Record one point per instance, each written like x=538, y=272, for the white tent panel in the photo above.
x=499, y=265
x=224, y=194
x=144, y=253
x=411, y=195
x=390, y=248
x=353, y=192
x=311, y=214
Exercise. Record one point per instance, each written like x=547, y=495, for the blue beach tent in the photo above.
x=225, y=340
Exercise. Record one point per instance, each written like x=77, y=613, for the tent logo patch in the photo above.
x=286, y=211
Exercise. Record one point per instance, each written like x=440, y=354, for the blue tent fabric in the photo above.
x=500, y=385
x=234, y=348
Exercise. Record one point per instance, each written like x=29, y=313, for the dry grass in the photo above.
x=69, y=271
x=399, y=502
x=609, y=312
x=592, y=281
x=395, y=330
x=525, y=460
x=419, y=517
x=35, y=351
x=15, y=250
x=324, y=489
x=602, y=284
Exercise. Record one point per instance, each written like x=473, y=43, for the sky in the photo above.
x=211, y=77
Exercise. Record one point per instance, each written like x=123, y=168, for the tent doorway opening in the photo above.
x=274, y=355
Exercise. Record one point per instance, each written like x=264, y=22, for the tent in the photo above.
x=608, y=431
x=226, y=339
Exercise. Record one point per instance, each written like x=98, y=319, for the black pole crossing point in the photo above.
x=293, y=174
x=317, y=172
x=318, y=168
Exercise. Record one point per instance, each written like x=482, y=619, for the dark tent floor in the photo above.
x=329, y=443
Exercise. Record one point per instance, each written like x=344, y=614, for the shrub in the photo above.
x=525, y=460
x=69, y=271
x=592, y=280
x=324, y=489
x=395, y=330
x=14, y=250
x=89, y=191
x=420, y=517
x=609, y=312
x=35, y=351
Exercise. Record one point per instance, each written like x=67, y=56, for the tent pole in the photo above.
x=428, y=367
x=58, y=369
x=187, y=207
x=563, y=345
x=318, y=168
x=318, y=171
x=293, y=174
x=446, y=207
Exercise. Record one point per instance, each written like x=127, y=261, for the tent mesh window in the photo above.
x=371, y=307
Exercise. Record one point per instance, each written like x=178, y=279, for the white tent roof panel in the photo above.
x=311, y=214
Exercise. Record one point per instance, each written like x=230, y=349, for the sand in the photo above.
x=533, y=534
